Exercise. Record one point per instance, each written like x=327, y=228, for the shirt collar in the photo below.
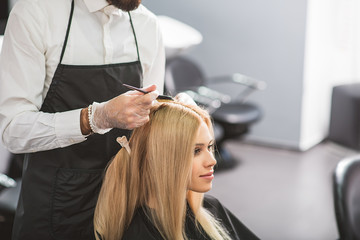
x=95, y=5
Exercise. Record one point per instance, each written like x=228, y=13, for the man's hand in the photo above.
x=127, y=111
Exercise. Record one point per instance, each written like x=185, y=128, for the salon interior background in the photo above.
x=301, y=49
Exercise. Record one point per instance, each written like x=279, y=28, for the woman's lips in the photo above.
x=209, y=175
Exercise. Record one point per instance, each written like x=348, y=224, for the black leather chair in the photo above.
x=232, y=116
x=346, y=183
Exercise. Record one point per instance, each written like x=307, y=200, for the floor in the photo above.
x=282, y=194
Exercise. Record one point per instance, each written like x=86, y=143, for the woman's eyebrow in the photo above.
x=203, y=144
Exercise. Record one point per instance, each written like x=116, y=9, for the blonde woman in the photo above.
x=154, y=187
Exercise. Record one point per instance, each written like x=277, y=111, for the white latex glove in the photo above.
x=126, y=111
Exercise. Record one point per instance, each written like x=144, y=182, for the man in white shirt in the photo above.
x=62, y=102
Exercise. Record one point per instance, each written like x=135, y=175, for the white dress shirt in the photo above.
x=100, y=34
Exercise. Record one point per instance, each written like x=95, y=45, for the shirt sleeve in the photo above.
x=22, y=75
x=156, y=72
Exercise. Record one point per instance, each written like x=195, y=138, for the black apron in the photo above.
x=60, y=187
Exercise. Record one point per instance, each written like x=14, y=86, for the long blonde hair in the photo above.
x=158, y=170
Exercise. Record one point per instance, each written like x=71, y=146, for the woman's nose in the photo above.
x=211, y=161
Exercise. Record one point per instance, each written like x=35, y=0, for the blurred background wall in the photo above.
x=301, y=49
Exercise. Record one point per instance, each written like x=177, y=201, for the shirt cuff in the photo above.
x=67, y=128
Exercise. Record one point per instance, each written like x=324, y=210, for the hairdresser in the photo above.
x=62, y=102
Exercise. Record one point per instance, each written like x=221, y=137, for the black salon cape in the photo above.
x=142, y=228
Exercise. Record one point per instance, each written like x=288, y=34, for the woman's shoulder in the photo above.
x=209, y=199
x=236, y=228
x=216, y=208
x=212, y=204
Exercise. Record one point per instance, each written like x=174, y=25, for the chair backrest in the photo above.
x=346, y=180
x=182, y=74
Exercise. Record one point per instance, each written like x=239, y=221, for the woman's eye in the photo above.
x=197, y=151
x=211, y=147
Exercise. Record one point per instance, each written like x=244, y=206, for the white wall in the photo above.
x=331, y=58
x=260, y=38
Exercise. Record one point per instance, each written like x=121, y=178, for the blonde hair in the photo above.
x=157, y=171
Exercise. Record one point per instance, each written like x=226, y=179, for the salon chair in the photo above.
x=231, y=115
x=346, y=189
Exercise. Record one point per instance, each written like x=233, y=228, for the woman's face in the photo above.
x=203, y=162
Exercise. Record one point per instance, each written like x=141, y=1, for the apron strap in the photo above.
x=67, y=31
x=136, y=43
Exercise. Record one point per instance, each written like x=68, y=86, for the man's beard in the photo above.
x=125, y=5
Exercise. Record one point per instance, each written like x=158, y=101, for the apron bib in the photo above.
x=60, y=186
